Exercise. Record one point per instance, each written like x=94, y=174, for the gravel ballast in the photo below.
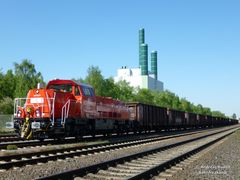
x=222, y=162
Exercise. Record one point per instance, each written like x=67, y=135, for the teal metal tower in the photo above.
x=141, y=41
x=144, y=59
x=154, y=64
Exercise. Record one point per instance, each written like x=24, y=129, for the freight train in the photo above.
x=67, y=108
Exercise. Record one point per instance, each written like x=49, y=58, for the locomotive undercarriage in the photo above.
x=82, y=127
x=33, y=128
x=38, y=128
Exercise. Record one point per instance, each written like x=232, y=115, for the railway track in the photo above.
x=147, y=164
x=54, y=154
x=8, y=137
x=33, y=143
x=16, y=160
x=12, y=139
x=22, y=144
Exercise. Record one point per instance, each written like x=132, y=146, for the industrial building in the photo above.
x=141, y=77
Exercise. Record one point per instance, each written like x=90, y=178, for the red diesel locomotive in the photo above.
x=66, y=108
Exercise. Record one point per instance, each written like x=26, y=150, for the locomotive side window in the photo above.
x=87, y=91
x=92, y=92
x=77, y=92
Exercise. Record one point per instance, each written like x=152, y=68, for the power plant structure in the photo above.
x=141, y=77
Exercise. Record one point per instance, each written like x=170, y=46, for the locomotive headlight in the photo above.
x=37, y=112
x=19, y=113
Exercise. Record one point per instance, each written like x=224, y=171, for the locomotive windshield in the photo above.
x=61, y=87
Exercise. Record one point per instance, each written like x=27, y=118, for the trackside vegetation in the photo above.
x=16, y=83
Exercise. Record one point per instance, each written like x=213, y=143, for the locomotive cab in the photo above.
x=32, y=114
x=40, y=115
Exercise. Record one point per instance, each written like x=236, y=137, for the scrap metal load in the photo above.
x=66, y=108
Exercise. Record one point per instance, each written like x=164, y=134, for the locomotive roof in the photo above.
x=61, y=81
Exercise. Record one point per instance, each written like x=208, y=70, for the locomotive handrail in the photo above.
x=54, y=96
x=51, y=106
x=65, y=110
x=22, y=102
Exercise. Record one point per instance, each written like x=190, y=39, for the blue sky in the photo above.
x=198, y=42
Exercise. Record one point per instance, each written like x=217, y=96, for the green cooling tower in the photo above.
x=141, y=41
x=144, y=59
x=154, y=64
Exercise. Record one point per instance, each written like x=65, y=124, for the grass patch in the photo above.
x=12, y=147
x=4, y=131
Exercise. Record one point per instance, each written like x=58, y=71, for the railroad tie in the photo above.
x=140, y=168
x=123, y=170
x=101, y=177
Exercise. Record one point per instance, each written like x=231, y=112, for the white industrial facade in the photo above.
x=135, y=79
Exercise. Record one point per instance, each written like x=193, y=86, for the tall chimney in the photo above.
x=141, y=41
x=144, y=59
x=154, y=64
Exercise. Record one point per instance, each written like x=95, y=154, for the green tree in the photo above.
x=26, y=77
x=95, y=78
x=145, y=96
x=160, y=99
x=111, y=89
x=124, y=91
x=167, y=99
x=218, y=114
x=198, y=109
x=9, y=84
x=206, y=111
x=6, y=105
x=1, y=85
x=186, y=105
x=80, y=80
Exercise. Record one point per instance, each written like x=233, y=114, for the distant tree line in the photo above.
x=124, y=92
x=17, y=82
